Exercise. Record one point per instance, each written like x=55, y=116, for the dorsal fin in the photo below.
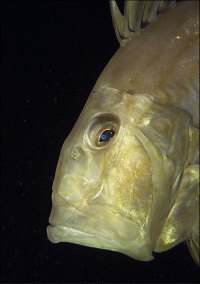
x=137, y=14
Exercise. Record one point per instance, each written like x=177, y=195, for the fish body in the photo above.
x=127, y=176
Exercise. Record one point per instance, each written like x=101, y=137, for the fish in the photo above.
x=127, y=179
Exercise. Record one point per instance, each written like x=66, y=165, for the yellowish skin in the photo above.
x=137, y=192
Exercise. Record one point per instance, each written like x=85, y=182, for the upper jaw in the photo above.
x=98, y=226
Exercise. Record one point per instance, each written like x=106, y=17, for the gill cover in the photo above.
x=173, y=147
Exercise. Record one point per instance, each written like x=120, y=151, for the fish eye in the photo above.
x=102, y=131
x=106, y=135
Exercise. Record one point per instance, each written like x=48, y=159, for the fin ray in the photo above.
x=193, y=245
x=137, y=14
x=150, y=12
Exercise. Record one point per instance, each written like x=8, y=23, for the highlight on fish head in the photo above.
x=106, y=192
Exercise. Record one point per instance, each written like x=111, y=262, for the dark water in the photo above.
x=52, y=55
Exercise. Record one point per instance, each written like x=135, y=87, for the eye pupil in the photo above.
x=106, y=135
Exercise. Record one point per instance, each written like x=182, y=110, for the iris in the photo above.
x=106, y=135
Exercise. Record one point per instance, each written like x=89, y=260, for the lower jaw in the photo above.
x=58, y=234
x=100, y=227
x=64, y=234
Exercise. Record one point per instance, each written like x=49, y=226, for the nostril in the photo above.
x=76, y=153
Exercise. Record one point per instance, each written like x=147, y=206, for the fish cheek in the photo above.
x=128, y=176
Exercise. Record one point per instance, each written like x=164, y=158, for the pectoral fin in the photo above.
x=182, y=222
x=193, y=245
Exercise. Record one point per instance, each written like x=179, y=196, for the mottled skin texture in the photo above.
x=162, y=61
x=138, y=193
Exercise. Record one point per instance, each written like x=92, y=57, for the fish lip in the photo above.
x=84, y=213
x=95, y=241
x=73, y=233
x=97, y=224
x=106, y=225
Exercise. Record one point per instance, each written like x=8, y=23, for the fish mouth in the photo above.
x=99, y=226
x=71, y=235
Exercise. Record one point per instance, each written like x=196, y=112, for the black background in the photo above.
x=53, y=52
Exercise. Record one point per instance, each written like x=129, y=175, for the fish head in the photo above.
x=105, y=191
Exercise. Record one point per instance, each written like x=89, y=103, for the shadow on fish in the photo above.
x=127, y=178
